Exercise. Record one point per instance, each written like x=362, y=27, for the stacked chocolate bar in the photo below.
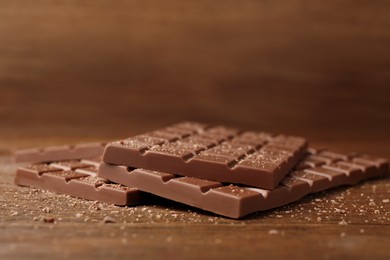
x=223, y=170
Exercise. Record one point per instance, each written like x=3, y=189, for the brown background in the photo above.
x=74, y=71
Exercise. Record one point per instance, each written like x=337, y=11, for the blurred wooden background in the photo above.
x=104, y=69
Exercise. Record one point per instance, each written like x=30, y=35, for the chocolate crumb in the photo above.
x=273, y=232
x=343, y=222
x=46, y=210
x=108, y=219
x=49, y=220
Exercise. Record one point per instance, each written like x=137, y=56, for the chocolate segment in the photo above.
x=236, y=201
x=76, y=178
x=57, y=153
x=214, y=153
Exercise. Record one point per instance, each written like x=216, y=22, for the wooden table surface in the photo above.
x=74, y=71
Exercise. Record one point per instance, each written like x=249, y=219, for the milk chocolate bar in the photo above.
x=76, y=178
x=213, y=153
x=317, y=172
x=57, y=153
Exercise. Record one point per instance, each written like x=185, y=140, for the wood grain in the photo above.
x=342, y=223
x=74, y=71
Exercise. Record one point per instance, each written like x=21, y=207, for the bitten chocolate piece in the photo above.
x=76, y=178
x=213, y=153
x=57, y=153
x=237, y=201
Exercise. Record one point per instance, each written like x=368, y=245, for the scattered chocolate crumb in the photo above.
x=46, y=210
x=49, y=220
x=108, y=219
x=273, y=232
x=386, y=201
x=343, y=222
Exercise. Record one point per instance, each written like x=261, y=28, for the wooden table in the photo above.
x=347, y=222
x=74, y=71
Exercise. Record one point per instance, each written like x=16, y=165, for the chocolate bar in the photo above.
x=57, y=153
x=76, y=178
x=317, y=172
x=213, y=153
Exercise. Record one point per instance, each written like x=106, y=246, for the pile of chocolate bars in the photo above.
x=222, y=170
